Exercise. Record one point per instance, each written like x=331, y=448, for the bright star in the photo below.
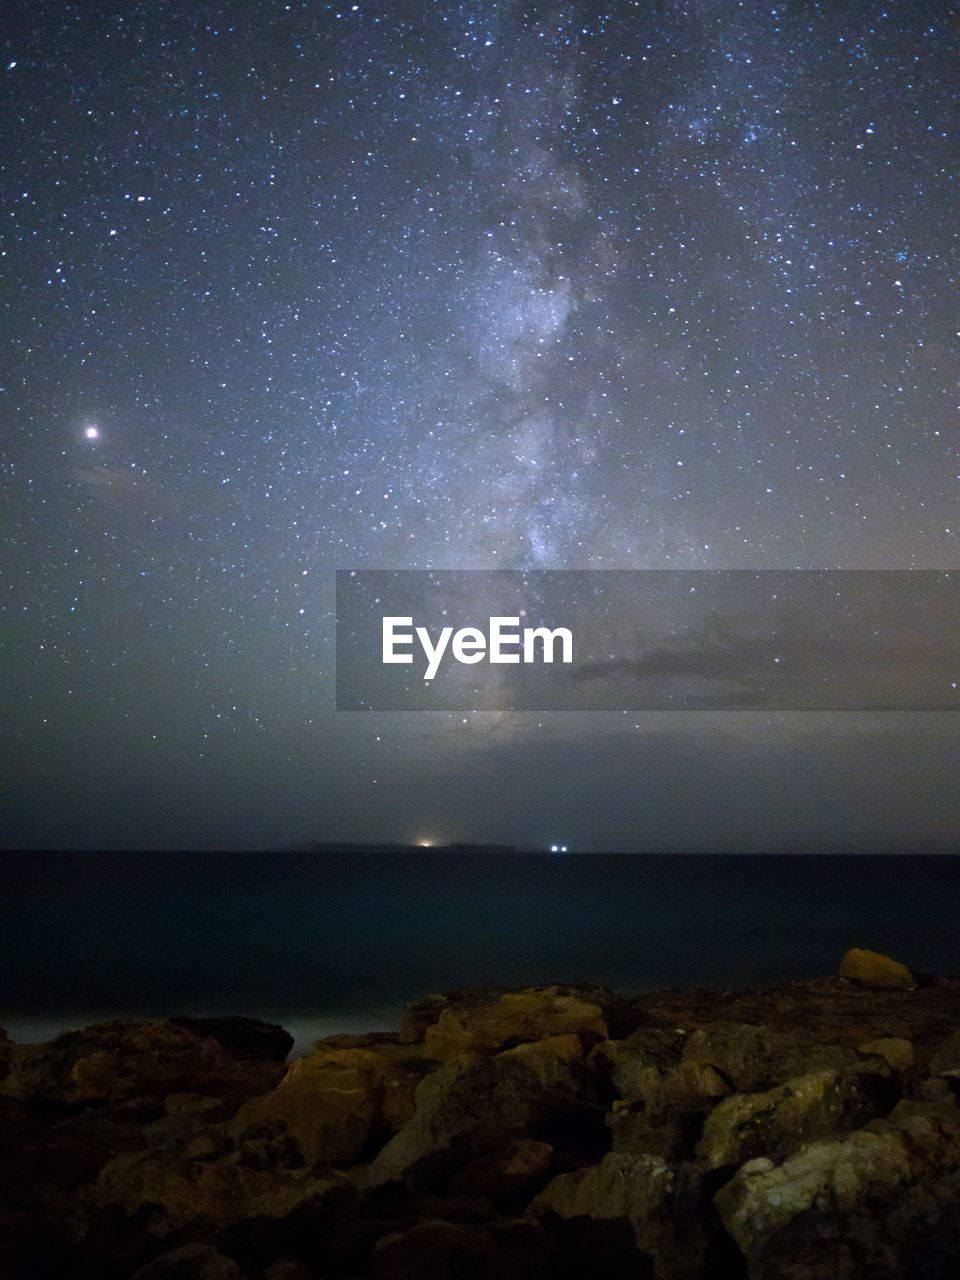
x=91, y=433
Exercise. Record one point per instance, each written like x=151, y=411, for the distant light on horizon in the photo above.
x=558, y=848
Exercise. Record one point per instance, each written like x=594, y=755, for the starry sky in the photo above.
x=293, y=287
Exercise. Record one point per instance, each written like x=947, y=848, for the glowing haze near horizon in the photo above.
x=297, y=287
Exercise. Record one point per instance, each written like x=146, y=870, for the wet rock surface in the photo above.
x=804, y=1132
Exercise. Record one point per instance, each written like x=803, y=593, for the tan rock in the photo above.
x=880, y=1202
x=627, y=1062
x=895, y=1050
x=778, y=1121
x=479, y=1103
x=657, y=1200
x=667, y=1107
x=191, y=1262
x=329, y=1104
x=184, y=1187
x=508, y=1019
x=128, y=1059
x=507, y=1176
x=873, y=969
x=946, y=1060
x=753, y=1057
x=438, y=1250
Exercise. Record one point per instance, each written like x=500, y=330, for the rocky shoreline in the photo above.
x=803, y=1132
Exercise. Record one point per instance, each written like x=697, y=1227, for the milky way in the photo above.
x=291, y=288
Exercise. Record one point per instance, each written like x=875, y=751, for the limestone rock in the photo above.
x=329, y=1105
x=778, y=1121
x=242, y=1038
x=481, y=1103
x=72, y=1151
x=627, y=1063
x=126, y=1059
x=873, y=969
x=657, y=1200
x=191, y=1262
x=205, y=1181
x=666, y=1115
x=6, y=1052
x=877, y=1204
x=752, y=1057
x=506, y=1177
x=895, y=1050
x=510, y=1019
x=947, y=1057
x=440, y=1250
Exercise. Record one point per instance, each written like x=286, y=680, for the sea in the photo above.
x=329, y=942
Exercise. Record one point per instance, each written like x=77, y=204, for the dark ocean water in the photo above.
x=341, y=941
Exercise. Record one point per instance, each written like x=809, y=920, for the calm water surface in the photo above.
x=340, y=941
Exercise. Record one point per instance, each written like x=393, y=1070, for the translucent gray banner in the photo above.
x=610, y=640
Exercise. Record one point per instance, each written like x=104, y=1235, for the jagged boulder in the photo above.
x=191, y=1262
x=946, y=1059
x=126, y=1059
x=779, y=1120
x=873, y=969
x=657, y=1200
x=328, y=1108
x=244, y=1039
x=205, y=1180
x=72, y=1151
x=510, y=1019
x=6, y=1052
x=479, y=1103
x=508, y=1177
x=666, y=1114
x=440, y=1250
x=752, y=1057
x=897, y=1051
x=876, y=1204
x=626, y=1064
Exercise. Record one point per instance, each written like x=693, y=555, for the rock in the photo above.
x=626, y=1063
x=301, y=1230
x=877, y=1204
x=947, y=1057
x=666, y=1116
x=191, y=1262
x=482, y=1103
x=205, y=1180
x=72, y=1152
x=552, y=1059
x=893, y=1049
x=752, y=1057
x=329, y=1106
x=242, y=1038
x=288, y=1268
x=509, y=1177
x=124, y=1059
x=620, y=1015
x=775, y=1123
x=440, y=1250
x=6, y=1052
x=421, y=1014
x=510, y=1019
x=873, y=969
x=365, y=1040
x=657, y=1201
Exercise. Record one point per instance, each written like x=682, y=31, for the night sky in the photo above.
x=296, y=287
